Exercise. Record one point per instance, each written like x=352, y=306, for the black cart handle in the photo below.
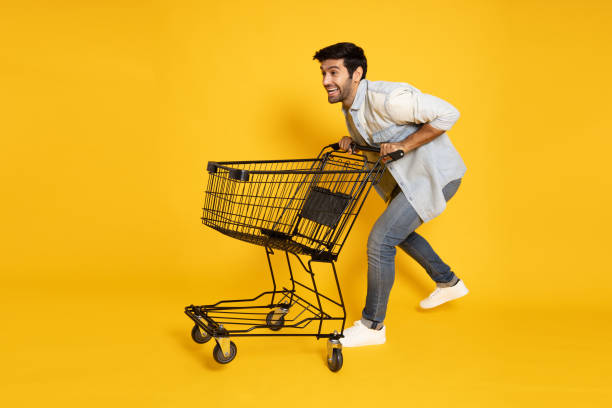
x=396, y=155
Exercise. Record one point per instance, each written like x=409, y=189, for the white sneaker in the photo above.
x=443, y=295
x=358, y=335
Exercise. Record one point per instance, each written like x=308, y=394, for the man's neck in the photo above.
x=348, y=102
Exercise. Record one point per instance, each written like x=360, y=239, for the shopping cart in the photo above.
x=304, y=208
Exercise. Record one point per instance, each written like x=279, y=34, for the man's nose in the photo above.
x=326, y=80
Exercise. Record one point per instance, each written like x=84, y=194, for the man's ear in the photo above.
x=357, y=74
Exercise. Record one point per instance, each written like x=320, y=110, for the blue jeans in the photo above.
x=395, y=227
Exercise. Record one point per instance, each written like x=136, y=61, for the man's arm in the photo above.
x=425, y=134
x=412, y=106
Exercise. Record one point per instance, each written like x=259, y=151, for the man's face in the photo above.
x=336, y=80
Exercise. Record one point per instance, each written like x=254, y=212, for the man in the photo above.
x=396, y=116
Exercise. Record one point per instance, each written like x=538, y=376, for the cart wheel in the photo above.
x=276, y=324
x=220, y=357
x=198, y=337
x=335, y=361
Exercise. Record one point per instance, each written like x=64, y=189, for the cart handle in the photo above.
x=396, y=155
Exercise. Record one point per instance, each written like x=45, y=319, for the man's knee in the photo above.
x=379, y=243
x=374, y=242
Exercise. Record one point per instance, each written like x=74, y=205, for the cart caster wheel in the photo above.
x=276, y=324
x=335, y=361
x=220, y=357
x=198, y=336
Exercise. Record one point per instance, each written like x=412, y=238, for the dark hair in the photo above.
x=352, y=55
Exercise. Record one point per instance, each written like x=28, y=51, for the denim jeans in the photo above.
x=395, y=227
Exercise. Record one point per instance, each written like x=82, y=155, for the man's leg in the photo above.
x=391, y=228
x=419, y=249
x=449, y=286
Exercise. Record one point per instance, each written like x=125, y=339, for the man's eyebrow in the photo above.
x=333, y=66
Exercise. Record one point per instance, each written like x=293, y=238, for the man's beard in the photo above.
x=344, y=93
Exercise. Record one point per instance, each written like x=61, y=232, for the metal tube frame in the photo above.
x=212, y=319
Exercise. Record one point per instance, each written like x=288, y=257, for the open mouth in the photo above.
x=333, y=91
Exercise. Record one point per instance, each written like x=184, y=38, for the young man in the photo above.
x=396, y=116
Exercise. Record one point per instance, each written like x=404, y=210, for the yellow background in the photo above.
x=109, y=111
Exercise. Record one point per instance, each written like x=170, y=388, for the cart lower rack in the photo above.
x=304, y=208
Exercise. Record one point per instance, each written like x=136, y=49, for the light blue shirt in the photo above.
x=390, y=112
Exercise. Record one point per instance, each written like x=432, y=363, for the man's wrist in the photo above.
x=406, y=145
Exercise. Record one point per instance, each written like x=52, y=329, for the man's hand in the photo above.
x=345, y=144
x=386, y=148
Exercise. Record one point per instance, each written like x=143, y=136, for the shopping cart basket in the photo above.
x=304, y=208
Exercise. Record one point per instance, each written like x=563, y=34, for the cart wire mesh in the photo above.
x=303, y=206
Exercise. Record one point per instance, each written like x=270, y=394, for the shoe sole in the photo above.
x=363, y=345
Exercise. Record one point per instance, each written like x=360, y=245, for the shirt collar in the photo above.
x=359, y=96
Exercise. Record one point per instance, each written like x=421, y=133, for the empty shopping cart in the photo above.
x=303, y=209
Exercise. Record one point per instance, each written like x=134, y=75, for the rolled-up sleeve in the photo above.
x=407, y=105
